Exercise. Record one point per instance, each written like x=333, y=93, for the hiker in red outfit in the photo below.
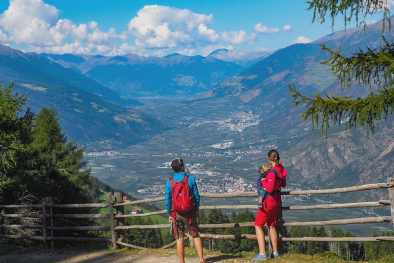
x=268, y=213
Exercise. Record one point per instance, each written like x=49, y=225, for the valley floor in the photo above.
x=145, y=256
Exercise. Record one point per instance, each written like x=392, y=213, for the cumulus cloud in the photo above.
x=287, y=28
x=301, y=39
x=165, y=27
x=265, y=30
x=39, y=26
x=260, y=49
x=207, y=34
x=159, y=53
x=186, y=52
x=239, y=37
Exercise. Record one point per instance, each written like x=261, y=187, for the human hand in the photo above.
x=196, y=213
x=170, y=219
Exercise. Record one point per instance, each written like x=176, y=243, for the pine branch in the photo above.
x=331, y=110
x=375, y=66
x=349, y=9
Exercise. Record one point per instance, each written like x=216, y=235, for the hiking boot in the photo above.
x=260, y=257
x=276, y=254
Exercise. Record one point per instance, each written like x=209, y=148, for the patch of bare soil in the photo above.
x=103, y=256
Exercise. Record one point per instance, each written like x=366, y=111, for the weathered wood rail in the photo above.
x=117, y=226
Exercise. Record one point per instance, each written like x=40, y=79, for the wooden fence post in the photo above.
x=191, y=240
x=390, y=181
x=112, y=220
x=44, y=221
x=280, y=230
x=48, y=200
x=270, y=252
x=120, y=221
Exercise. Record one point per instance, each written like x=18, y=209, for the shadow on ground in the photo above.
x=220, y=258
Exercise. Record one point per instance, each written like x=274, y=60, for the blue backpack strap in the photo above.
x=261, y=177
x=276, y=174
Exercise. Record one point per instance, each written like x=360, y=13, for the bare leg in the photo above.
x=260, y=239
x=180, y=250
x=274, y=238
x=198, y=245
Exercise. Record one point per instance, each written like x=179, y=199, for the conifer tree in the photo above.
x=352, y=247
x=296, y=247
x=15, y=138
x=372, y=67
x=315, y=247
x=56, y=166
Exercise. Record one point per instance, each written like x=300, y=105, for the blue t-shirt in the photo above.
x=178, y=177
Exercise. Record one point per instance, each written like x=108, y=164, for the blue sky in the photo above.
x=112, y=27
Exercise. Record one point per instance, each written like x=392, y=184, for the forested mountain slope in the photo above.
x=133, y=75
x=85, y=116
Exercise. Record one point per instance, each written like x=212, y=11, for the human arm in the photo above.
x=195, y=193
x=168, y=198
x=283, y=183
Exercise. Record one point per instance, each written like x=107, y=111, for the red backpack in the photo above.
x=181, y=200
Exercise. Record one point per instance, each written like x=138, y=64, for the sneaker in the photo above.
x=260, y=257
x=276, y=254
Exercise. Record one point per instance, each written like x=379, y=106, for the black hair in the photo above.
x=273, y=156
x=177, y=165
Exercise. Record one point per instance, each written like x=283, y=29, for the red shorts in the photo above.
x=267, y=214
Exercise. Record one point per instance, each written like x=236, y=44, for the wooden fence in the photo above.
x=118, y=228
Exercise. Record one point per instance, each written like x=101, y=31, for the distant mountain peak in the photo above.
x=173, y=55
x=119, y=58
x=217, y=51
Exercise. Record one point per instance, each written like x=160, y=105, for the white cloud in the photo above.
x=165, y=27
x=207, y=34
x=261, y=49
x=239, y=37
x=301, y=39
x=28, y=22
x=73, y=48
x=209, y=49
x=265, y=30
x=39, y=26
x=186, y=52
x=159, y=53
x=287, y=28
x=370, y=22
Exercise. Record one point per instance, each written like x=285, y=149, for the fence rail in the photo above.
x=117, y=216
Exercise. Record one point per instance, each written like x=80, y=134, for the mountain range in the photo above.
x=240, y=57
x=345, y=158
x=133, y=75
x=88, y=111
x=91, y=94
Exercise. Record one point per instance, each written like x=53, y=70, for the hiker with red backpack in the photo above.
x=268, y=187
x=182, y=203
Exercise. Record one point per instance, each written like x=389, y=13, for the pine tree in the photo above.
x=15, y=138
x=312, y=246
x=57, y=166
x=353, y=247
x=373, y=67
x=315, y=247
x=338, y=247
x=323, y=246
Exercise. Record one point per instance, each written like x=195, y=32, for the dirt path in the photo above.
x=105, y=256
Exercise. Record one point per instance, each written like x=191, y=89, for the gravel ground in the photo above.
x=146, y=256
